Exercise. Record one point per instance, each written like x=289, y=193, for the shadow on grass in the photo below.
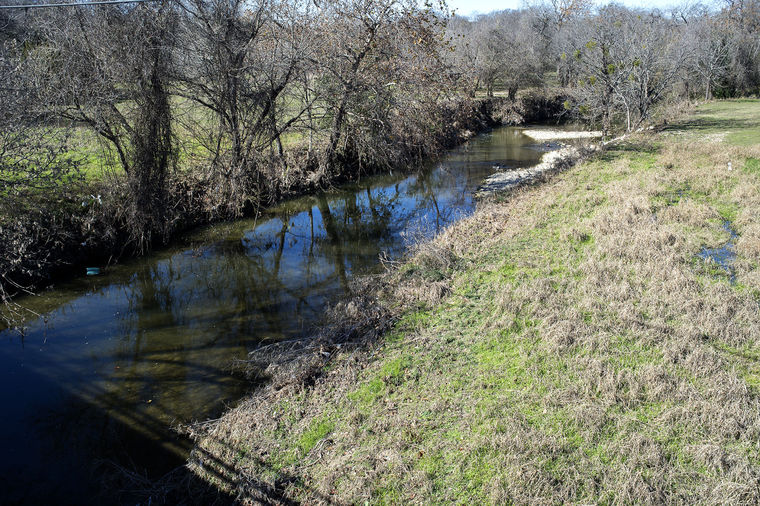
x=259, y=491
x=711, y=124
x=640, y=147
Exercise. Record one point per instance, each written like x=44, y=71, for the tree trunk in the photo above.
x=512, y=93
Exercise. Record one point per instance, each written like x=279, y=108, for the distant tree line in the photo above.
x=615, y=63
x=242, y=95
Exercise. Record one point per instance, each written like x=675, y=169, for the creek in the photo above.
x=95, y=383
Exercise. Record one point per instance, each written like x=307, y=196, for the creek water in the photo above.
x=95, y=383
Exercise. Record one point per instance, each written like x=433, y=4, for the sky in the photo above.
x=469, y=7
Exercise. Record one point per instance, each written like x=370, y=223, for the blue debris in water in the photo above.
x=93, y=271
x=723, y=256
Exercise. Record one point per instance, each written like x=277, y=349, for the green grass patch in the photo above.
x=736, y=121
x=317, y=431
x=752, y=166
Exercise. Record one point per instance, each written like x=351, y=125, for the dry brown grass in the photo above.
x=566, y=345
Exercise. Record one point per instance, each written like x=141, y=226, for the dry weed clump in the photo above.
x=425, y=277
x=565, y=346
x=749, y=243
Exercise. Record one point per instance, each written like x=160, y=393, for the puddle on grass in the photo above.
x=723, y=257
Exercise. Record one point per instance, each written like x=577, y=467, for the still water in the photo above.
x=97, y=381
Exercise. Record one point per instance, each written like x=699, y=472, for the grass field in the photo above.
x=735, y=121
x=574, y=342
x=192, y=127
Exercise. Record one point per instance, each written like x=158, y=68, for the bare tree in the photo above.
x=464, y=56
x=241, y=61
x=106, y=67
x=381, y=63
x=498, y=49
x=654, y=47
x=493, y=48
x=359, y=38
x=521, y=54
x=600, y=63
x=712, y=47
x=742, y=20
x=552, y=21
x=624, y=62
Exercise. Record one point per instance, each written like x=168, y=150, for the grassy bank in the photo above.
x=573, y=342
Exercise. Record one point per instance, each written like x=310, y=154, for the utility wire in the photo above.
x=75, y=4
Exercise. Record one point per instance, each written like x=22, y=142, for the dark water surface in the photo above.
x=96, y=382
